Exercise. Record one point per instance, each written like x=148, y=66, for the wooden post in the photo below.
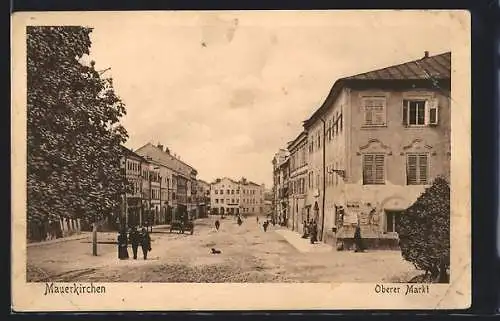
x=94, y=239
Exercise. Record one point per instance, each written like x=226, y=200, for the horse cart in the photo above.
x=182, y=224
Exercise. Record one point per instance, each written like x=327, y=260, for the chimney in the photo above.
x=167, y=150
x=426, y=54
x=160, y=146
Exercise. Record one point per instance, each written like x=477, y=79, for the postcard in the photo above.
x=241, y=160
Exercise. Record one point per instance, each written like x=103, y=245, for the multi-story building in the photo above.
x=231, y=197
x=379, y=139
x=176, y=179
x=252, y=197
x=155, y=180
x=203, y=197
x=131, y=167
x=280, y=193
x=225, y=197
x=298, y=182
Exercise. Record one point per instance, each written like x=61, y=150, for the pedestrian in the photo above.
x=239, y=221
x=122, y=245
x=257, y=219
x=358, y=241
x=306, y=233
x=145, y=243
x=314, y=232
x=265, y=225
x=135, y=239
x=217, y=224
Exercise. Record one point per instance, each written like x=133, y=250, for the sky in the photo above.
x=225, y=91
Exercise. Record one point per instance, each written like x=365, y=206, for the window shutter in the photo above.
x=405, y=112
x=367, y=169
x=379, y=169
x=411, y=170
x=433, y=112
x=423, y=168
x=368, y=111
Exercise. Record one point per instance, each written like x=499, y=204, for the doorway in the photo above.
x=392, y=220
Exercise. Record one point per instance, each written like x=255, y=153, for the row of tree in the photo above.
x=73, y=129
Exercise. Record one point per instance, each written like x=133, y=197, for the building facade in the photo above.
x=251, y=198
x=379, y=139
x=231, y=197
x=225, y=197
x=203, y=197
x=173, y=198
x=298, y=182
x=136, y=200
x=280, y=193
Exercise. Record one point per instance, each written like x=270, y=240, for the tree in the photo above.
x=424, y=232
x=73, y=132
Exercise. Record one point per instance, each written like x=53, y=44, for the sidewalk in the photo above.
x=101, y=237
x=303, y=245
x=75, y=237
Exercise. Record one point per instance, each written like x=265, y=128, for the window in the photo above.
x=417, y=169
x=216, y=191
x=319, y=140
x=420, y=112
x=392, y=219
x=374, y=110
x=232, y=191
x=222, y=200
x=373, y=169
x=228, y=192
x=221, y=192
x=216, y=201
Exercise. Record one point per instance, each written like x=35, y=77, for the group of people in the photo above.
x=311, y=231
x=136, y=239
x=266, y=223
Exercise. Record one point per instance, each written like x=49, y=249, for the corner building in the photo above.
x=379, y=139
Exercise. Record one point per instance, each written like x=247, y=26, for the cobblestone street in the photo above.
x=248, y=255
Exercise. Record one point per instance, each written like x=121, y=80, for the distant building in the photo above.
x=231, y=197
x=203, y=197
x=280, y=187
x=178, y=181
x=297, y=206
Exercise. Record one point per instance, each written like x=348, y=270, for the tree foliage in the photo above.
x=73, y=130
x=424, y=231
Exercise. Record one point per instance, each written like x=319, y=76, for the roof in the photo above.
x=128, y=152
x=427, y=70
x=219, y=180
x=164, y=158
x=246, y=182
x=294, y=143
x=438, y=67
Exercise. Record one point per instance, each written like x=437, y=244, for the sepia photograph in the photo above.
x=241, y=160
